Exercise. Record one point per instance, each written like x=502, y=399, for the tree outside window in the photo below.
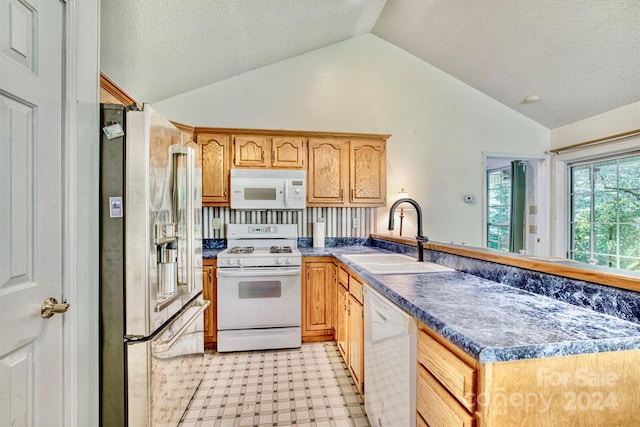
x=605, y=212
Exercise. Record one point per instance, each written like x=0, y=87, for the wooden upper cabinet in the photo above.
x=251, y=151
x=368, y=172
x=328, y=172
x=343, y=169
x=216, y=156
x=268, y=152
x=288, y=153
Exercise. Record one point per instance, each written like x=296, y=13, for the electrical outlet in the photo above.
x=533, y=210
x=215, y=223
x=355, y=222
x=533, y=229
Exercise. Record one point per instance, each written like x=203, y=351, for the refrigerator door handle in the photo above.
x=176, y=150
x=163, y=346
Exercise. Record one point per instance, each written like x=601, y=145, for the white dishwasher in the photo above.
x=389, y=362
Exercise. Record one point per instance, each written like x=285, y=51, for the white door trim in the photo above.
x=80, y=264
x=540, y=244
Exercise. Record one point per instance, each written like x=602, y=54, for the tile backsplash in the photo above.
x=339, y=221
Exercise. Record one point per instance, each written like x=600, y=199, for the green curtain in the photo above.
x=518, y=194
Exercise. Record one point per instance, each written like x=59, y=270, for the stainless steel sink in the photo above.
x=394, y=264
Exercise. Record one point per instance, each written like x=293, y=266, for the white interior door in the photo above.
x=31, y=211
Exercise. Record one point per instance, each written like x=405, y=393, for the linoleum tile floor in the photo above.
x=309, y=386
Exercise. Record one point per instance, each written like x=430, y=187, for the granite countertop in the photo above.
x=490, y=321
x=493, y=322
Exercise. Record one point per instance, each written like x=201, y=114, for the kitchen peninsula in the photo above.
x=508, y=355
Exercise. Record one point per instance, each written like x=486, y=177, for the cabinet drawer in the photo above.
x=343, y=278
x=437, y=406
x=458, y=377
x=355, y=289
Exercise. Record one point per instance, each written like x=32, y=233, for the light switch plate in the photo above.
x=215, y=223
x=533, y=210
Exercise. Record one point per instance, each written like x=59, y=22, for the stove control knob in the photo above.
x=278, y=261
x=240, y=261
x=288, y=260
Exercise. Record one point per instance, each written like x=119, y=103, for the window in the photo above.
x=498, y=208
x=604, y=211
x=515, y=203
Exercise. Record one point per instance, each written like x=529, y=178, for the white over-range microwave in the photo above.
x=260, y=189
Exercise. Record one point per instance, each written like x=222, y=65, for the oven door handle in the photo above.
x=237, y=272
x=163, y=346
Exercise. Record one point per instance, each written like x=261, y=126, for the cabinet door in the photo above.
x=368, y=173
x=327, y=178
x=317, y=309
x=209, y=292
x=333, y=299
x=251, y=151
x=342, y=323
x=356, y=342
x=288, y=153
x=215, y=169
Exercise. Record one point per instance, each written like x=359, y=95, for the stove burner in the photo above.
x=280, y=250
x=241, y=250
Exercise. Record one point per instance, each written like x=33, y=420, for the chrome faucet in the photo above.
x=419, y=238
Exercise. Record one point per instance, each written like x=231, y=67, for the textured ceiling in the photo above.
x=581, y=57
x=156, y=49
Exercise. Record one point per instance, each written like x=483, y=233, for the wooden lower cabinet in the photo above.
x=317, y=306
x=356, y=342
x=350, y=325
x=453, y=389
x=342, y=322
x=209, y=293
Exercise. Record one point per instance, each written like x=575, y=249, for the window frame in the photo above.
x=488, y=224
x=561, y=186
x=538, y=243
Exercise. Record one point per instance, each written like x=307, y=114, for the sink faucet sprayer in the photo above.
x=419, y=238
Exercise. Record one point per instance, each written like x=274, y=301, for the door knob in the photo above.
x=51, y=307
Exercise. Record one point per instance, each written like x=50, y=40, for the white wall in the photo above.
x=439, y=125
x=620, y=120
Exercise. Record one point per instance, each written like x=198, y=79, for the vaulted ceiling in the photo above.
x=580, y=57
